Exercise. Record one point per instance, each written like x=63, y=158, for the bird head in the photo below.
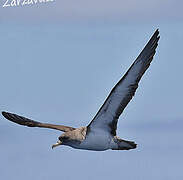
x=63, y=139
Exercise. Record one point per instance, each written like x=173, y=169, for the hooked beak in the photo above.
x=57, y=144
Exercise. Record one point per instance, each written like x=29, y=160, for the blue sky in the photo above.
x=60, y=60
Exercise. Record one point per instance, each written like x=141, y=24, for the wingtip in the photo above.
x=3, y=113
x=155, y=36
x=156, y=32
x=7, y=115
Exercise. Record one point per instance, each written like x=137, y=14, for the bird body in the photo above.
x=95, y=141
x=98, y=140
x=100, y=134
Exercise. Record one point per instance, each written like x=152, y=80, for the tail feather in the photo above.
x=130, y=145
x=125, y=145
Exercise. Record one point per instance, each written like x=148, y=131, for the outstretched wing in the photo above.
x=30, y=123
x=107, y=117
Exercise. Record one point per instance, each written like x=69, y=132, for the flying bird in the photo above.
x=100, y=134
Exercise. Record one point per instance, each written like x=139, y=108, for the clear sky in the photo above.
x=59, y=61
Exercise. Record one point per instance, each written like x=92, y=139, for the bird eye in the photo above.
x=63, y=138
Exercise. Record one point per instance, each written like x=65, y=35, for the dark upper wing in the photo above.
x=107, y=117
x=30, y=123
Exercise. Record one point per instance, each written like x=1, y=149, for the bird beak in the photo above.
x=57, y=144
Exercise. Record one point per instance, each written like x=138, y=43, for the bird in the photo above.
x=100, y=133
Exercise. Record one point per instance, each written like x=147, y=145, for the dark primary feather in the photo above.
x=107, y=116
x=30, y=123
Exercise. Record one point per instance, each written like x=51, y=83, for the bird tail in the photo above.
x=125, y=145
